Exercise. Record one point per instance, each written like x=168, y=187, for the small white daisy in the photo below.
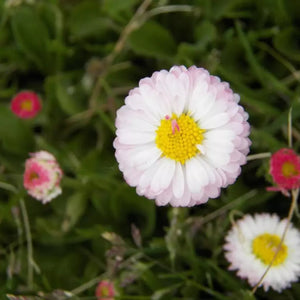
x=251, y=245
x=181, y=136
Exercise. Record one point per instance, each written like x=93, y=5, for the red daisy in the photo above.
x=26, y=104
x=285, y=170
x=105, y=290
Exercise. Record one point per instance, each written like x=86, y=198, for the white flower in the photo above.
x=251, y=245
x=181, y=136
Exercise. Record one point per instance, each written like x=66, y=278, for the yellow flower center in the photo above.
x=265, y=246
x=104, y=291
x=178, y=137
x=288, y=169
x=33, y=176
x=26, y=105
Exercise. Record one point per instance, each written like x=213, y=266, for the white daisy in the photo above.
x=251, y=245
x=181, y=136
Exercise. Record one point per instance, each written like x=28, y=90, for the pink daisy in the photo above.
x=181, y=136
x=105, y=290
x=26, y=104
x=42, y=176
x=285, y=170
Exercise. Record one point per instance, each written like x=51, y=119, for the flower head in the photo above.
x=181, y=136
x=285, y=170
x=26, y=104
x=251, y=245
x=42, y=176
x=105, y=290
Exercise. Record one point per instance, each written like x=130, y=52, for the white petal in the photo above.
x=164, y=198
x=184, y=200
x=178, y=181
x=201, y=103
x=215, y=121
x=147, y=176
x=163, y=175
x=134, y=137
x=209, y=170
x=143, y=157
x=196, y=175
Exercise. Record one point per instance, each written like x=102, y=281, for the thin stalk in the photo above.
x=29, y=244
x=8, y=187
x=129, y=28
x=16, y=216
x=169, y=9
x=280, y=59
x=290, y=129
x=289, y=217
x=86, y=285
x=259, y=156
x=220, y=211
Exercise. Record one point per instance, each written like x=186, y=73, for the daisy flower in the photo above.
x=26, y=104
x=181, y=136
x=105, y=290
x=251, y=245
x=285, y=170
x=42, y=176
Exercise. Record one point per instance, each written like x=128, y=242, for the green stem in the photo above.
x=8, y=187
x=86, y=285
x=290, y=129
x=29, y=244
x=107, y=120
x=259, y=156
x=223, y=209
x=169, y=9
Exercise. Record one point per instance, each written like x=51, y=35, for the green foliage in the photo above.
x=153, y=40
x=82, y=57
x=31, y=36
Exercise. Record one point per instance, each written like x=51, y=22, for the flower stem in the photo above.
x=86, y=285
x=129, y=28
x=8, y=187
x=290, y=129
x=295, y=193
x=29, y=245
x=259, y=156
x=169, y=9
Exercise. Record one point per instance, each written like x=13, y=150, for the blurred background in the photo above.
x=82, y=57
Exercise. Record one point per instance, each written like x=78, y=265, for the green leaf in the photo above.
x=86, y=21
x=118, y=8
x=127, y=207
x=15, y=135
x=266, y=140
x=205, y=33
x=31, y=35
x=68, y=103
x=153, y=40
x=243, y=295
x=266, y=78
x=75, y=208
x=287, y=42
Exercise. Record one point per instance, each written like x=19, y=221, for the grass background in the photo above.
x=82, y=57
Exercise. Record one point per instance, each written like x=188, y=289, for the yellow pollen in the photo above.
x=178, y=137
x=288, y=169
x=33, y=176
x=264, y=247
x=26, y=105
x=104, y=291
